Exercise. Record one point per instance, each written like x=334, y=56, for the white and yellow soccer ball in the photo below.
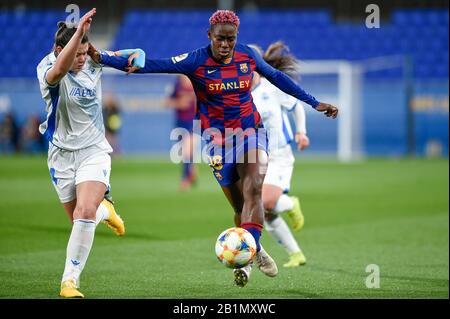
x=235, y=247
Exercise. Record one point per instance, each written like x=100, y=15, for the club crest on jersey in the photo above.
x=243, y=67
x=179, y=58
x=215, y=162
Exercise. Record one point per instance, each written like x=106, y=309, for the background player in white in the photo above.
x=273, y=106
x=78, y=155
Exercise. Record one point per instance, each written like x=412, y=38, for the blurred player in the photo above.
x=221, y=74
x=273, y=106
x=183, y=101
x=9, y=134
x=78, y=155
x=112, y=121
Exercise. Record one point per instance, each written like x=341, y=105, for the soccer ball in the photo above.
x=235, y=247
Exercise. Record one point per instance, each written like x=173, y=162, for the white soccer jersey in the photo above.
x=74, y=120
x=273, y=105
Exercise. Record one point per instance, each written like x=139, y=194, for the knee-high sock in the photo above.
x=78, y=248
x=281, y=232
x=283, y=204
x=255, y=229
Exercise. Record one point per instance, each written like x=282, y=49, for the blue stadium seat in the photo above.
x=400, y=18
x=133, y=20
x=444, y=18
x=311, y=34
x=4, y=18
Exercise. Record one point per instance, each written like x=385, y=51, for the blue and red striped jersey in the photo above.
x=223, y=91
x=183, y=87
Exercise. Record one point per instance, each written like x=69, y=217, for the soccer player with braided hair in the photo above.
x=221, y=74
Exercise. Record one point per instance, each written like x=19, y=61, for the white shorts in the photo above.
x=280, y=168
x=70, y=168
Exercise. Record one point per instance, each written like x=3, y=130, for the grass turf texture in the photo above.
x=393, y=213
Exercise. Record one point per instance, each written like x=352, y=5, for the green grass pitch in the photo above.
x=392, y=213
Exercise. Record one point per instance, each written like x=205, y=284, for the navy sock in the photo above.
x=255, y=229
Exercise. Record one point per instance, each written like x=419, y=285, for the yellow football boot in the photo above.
x=296, y=215
x=69, y=290
x=114, y=221
x=295, y=260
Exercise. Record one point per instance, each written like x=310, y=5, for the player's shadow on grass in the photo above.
x=100, y=232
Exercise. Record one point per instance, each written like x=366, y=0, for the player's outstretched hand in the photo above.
x=131, y=68
x=85, y=22
x=330, y=110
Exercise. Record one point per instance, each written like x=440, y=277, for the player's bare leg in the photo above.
x=106, y=214
x=245, y=196
x=69, y=207
x=252, y=173
x=234, y=195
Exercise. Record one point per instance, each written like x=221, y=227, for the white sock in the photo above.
x=283, y=204
x=281, y=232
x=102, y=213
x=78, y=248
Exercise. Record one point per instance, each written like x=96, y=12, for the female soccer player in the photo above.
x=221, y=74
x=78, y=154
x=273, y=106
x=183, y=101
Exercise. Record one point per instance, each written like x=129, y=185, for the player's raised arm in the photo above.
x=287, y=85
x=66, y=54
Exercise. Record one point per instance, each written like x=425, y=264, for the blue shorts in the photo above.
x=223, y=159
